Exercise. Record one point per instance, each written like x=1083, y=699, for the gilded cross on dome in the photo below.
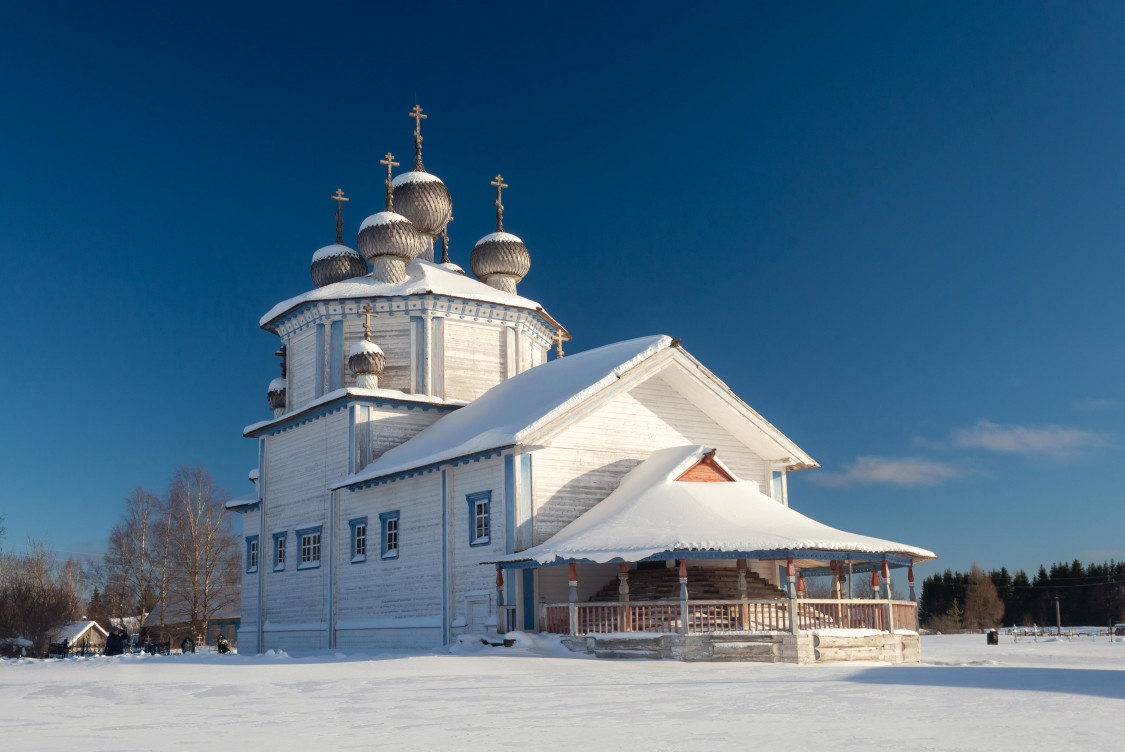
x=416, y=113
x=499, y=183
x=389, y=160
x=339, y=199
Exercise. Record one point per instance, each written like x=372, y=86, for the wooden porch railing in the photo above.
x=726, y=616
x=506, y=622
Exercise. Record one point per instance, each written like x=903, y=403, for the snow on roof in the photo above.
x=507, y=412
x=74, y=630
x=383, y=218
x=414, y=177
x=351, y=391
x=255, y=473
x=363, y=346
x=499, y=236
x=242, y=501
x=422, y=278
x=336, y=249
x=651, y=512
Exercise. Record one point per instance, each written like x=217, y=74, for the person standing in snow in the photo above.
x=223, y=645
x=113, y=643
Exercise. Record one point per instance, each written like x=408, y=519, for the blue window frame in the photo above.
x=388, y=525
x=251, y=553
x=480, y=518
x=308, y=547
x=279, y=543
x=359, y=539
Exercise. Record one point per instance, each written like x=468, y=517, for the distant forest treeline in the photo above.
x=1089, y=594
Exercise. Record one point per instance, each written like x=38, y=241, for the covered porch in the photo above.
x=733, y=567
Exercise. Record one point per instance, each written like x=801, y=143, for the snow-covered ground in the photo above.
x=1045, y=695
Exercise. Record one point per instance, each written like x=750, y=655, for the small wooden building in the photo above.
x=81, y=637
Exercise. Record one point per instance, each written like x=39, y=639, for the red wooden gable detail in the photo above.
x=707, y=470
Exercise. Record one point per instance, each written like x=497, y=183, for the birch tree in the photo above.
x=202, y=572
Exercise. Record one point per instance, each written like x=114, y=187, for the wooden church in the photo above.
x=434, y=467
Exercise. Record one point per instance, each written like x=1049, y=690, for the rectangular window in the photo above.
x=359, y=539
x=389, y=523
x=252, y=553
x=480, y=518
x=309, y=539
x=279, y=551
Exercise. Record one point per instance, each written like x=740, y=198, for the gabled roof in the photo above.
x=74, y=631
x=422, y=278
x=651, y=512
x=529, y=408
x=514, y=408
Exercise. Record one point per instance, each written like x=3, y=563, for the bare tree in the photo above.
x=203, y=575
x=132, y=551
x=983, y=607
x=37, y=594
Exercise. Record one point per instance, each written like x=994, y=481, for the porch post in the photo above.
x=573, y=583
x=741, y=564
x=887, y=587
x=501, y=626
x=623, y=595
x=910, y=581
x=791, y=576
x=683, y=597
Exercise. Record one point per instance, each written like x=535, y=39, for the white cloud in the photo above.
x=892, y=471
x=1049, y=441
x=1094, y=404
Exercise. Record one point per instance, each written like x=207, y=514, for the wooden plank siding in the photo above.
x=392, y=602
x=300, y=463
x=301, y=377
x=474, y=358
x=587, y=461
x=392, y=334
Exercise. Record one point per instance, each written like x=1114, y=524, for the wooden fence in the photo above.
x=708, y=617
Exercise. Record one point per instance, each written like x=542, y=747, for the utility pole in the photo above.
x=1058, y=618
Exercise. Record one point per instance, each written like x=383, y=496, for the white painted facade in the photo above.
x=317, y=457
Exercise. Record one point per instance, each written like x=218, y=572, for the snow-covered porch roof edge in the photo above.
x=862, y=561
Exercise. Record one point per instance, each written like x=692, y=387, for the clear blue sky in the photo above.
x=895, y=230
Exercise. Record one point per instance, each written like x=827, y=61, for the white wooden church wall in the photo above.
x=301, y=363
x=473, y=584
x=300, y=463
x=391, y=602
x=474, y=358
x=379, y=428
x=248, y=617
x=586, y=462
x=392, y=334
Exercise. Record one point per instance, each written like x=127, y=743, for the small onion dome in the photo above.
x=389, y=241
x=500, y=260
x=366, y=357
x=276, y=394
x=424, y=200
x=335, y=263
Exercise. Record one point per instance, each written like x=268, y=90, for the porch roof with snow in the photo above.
x=520, y=410
x=654, y=515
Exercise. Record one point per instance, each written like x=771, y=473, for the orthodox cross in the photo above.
x=416, y=113
x=500, y=185
x=339, y=199
x=389, y=161
x=366, y=313
x=558, y=343
x=445, y=246
x=281, y=354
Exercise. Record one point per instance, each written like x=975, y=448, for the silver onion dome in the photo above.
x=500, y=259
x=335, y=263
x=276, y=394
x=366, y=358
x=388, y=240
x=424, y=200
x=390, y=234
